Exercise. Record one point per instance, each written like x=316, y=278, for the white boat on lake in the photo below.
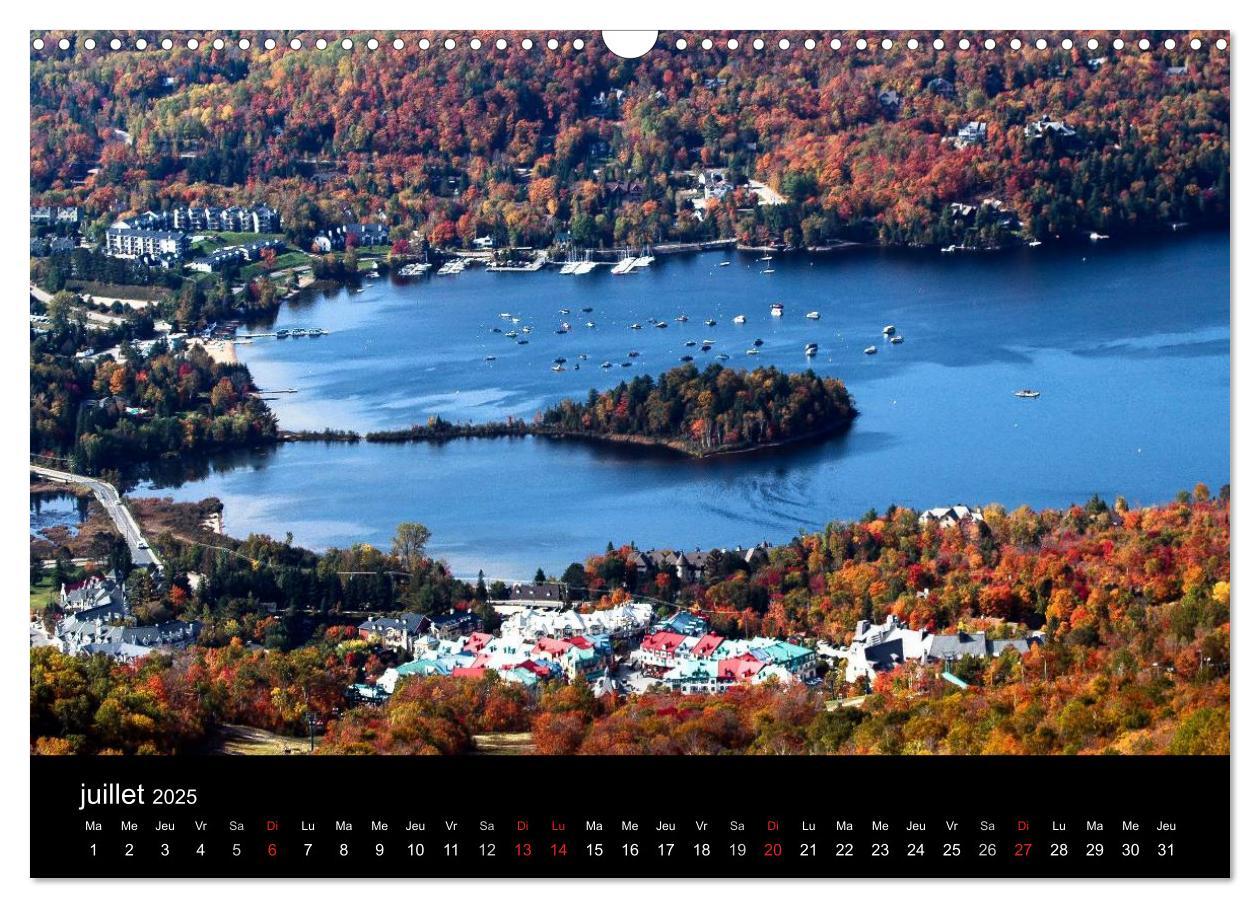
x=813, y=315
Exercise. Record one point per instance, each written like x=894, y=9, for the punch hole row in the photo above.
x=678, y=44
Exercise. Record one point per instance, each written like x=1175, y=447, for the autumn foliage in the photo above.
x=517, y=143
x=1134, y=605
x=718, y=409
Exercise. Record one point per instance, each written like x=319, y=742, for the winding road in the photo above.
x=107, y=495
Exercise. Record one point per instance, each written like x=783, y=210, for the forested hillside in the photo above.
x=526, y=145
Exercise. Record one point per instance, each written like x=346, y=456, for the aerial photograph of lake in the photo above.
x=786, y=393
x=1128, y=345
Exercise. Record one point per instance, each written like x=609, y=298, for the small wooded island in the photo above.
x=715, y=411
x=699, y=413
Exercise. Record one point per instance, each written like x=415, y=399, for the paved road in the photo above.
x=90, y=314
x=107, y=495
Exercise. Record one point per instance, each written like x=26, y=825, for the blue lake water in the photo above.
x=52, y=509
x=1129, y=345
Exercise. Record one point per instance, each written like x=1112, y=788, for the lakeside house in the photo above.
x=691, y=567
x=355, y=235
x=228, y=255
x=956, y=515
x=141, y=243
x=882, y=647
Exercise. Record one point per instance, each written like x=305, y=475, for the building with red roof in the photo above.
x=550, y=646
x=661, y=649
x=706, y=645
x=743, y=668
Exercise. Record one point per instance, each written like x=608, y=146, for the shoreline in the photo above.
x=426, y=435
x=221, y=351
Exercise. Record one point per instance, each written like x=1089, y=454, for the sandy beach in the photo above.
x=220, y=351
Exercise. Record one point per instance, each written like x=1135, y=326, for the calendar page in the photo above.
x=768, y=454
